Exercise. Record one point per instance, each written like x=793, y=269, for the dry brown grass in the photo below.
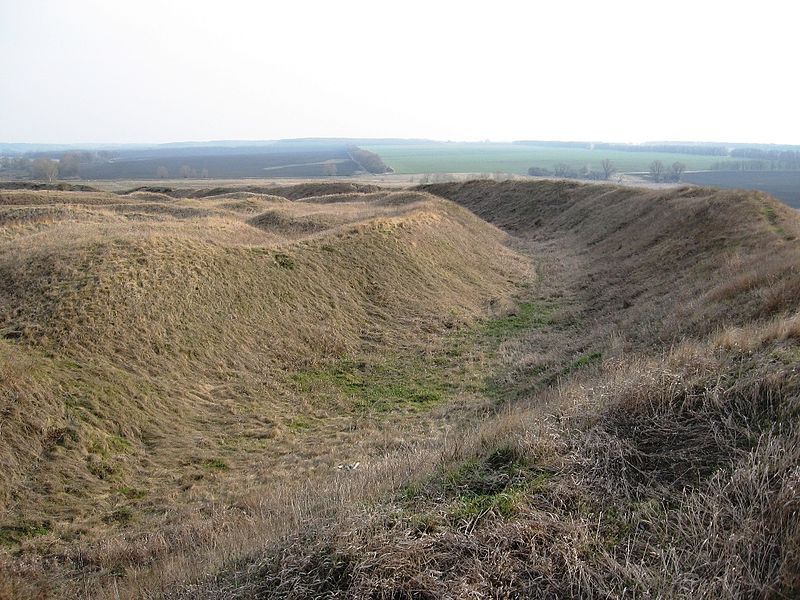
x=165, y=360
x=636, y=436
x=668, y=468
x=672, y=477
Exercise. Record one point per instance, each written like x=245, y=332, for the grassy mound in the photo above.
x=351, y=392
x=296, y=191
x=653, y=447
x=158, y=355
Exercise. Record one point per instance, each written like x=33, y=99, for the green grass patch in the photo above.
x=11, y=535
x=582, y=361
x=284, y=261
x=498, y=484
x=775, y=223
x=771, y=215
x=131, y=493
x=394, y=384
x=419, y=381
x=120, y=516
x=503, y=503
x=108, y=446
x=215, y=464
x=527, y=316
x=298, y=424
x=488, y=475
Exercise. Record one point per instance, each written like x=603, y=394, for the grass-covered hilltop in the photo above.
x=338, y=390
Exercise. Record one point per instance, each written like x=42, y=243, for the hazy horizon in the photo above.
x=97, y=73
x=375, y=140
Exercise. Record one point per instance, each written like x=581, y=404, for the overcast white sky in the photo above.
x=167, y=70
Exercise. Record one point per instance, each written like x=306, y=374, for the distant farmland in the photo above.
x=443, y=157
x=278, y=161
x=783, y=185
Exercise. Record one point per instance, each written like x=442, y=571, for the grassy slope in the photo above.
x=168, y=362
x=518, y=158
x=660, y=459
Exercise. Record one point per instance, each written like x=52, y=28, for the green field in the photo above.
x=479, y=157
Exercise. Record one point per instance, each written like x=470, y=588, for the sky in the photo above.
x=117, y=71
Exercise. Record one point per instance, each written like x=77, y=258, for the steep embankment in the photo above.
x=661, y=460
x=162, y=358
x=677, y=262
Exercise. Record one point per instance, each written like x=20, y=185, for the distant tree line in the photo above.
x=659, y=172
x=775, y=160
x=753, y=165
x=44, y=168
x=668, y=148
x=563, y=170
x=39, y=168
x=185, y=172
x=48, y=166
x=371, y=162
x=702, y=149
x=555, y=144
x=448, y=177
x=440, y=178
